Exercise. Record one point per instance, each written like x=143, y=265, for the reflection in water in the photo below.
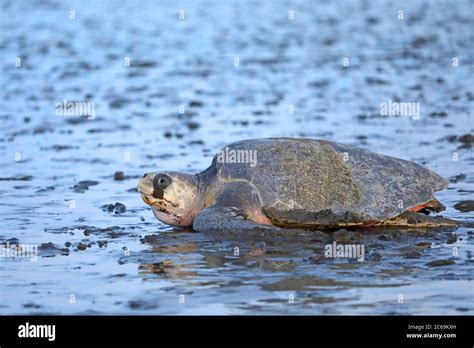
x=294, y=268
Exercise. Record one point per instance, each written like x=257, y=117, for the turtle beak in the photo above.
x=145, y=187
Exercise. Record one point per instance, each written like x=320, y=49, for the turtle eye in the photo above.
x=160, y=182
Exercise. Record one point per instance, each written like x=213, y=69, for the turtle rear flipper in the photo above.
x=415, y=219
x=433, y=205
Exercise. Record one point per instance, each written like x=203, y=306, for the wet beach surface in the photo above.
x=101, y=251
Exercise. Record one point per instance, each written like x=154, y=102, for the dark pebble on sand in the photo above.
x=451, y=138
x=118, y=103
x=167, y=135
x=50, y=249
x=421, y=41
x=195, y=104
x=439, y=263
x=193, y=125
x=47, y=246
x=465, y=206
x=119, y=176
x=143, y=64
x=82, y=246
x=17, y=178
x=120, y=208
x=46, y=189
x=117, y=208
x=457, y=178
x=13, y=241
x=84, y=185
x=67, y=244
x=196, y=142
x=452, y=238
x=467, y=139
x=375, y=81
x=142, y=305
x=108, y=207
x=440, y=114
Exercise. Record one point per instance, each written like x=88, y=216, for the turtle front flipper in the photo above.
x=237, y=209
x=230, y=220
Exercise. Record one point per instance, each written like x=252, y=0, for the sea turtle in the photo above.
x=298, y=183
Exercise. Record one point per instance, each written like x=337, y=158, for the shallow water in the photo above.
x=290, y=81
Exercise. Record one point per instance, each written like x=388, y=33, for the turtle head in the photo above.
x=171, y=195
